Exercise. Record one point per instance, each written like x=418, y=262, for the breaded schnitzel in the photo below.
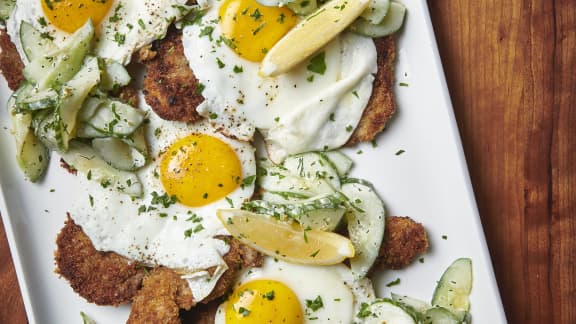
x=11, y=65
x=171, y=88
x=158, y=294
x=404, y=240
x=381, y=105
x=103, y=278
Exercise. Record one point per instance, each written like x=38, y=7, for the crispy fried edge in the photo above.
x=381, y=105
x=103, y=278
x=11, y=66
x=169, y=86
x=162, y=296
x=404, y=240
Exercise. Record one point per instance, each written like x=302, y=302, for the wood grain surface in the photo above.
x=511, y=72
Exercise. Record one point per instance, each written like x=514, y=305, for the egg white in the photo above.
x=293, y=112
x=341, y=294
x=115, y=222
x=155, y=15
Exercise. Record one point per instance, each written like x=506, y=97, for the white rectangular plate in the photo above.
x=428, y=182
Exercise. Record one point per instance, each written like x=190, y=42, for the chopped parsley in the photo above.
x=115, y=17
x=165, y=200
x=315, y=304
x=238, y=69
x=220, y=63
x=256, y=15
x=364, y=311
x=318, y=63
x=207, y=31
x=259, y=28
x=194, y=219
x=200, y=88
x=269, y=295
x=393, y=283
x=403, y=84
x=119, y=38
x=243, y=311
x=248, y=181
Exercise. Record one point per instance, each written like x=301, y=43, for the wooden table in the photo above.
x=511, y=71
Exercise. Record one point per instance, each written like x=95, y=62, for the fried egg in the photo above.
x=122, y=26
x=281, y=292
x=313, y=107
x=194, y=172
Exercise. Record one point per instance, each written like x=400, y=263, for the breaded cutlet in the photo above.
x=170, y=86
x=404, y=240
x=382, y=104
x=106, y=278
x=103, y=278
x=162, y=296
x=11, y=65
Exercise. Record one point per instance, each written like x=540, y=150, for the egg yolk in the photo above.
x=200, y=169
x=263, y=301
x=69, y=15
x=252, y=29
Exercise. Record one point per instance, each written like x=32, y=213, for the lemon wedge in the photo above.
x=310, y=34
x=290, y=243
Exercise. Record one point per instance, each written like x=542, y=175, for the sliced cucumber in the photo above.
x=322, y=219
x=389, y=25
x=440, y=315
x=52, y=69
x=6, y=8
x=453, y=290
x=33, y=42
x=288, y=187
x=116, y=118
x=376, y=11
x=313, y=166
x=340, y=162
x=323, y=212
x=386, y=311
x=86, y=131
x=84, y=159
x=89, y=108
x=74, y=92
x=46, y=125
x=416, y=304
x=303, y=7
x=137, y=141
x=114, y=75
x=366, y=222
x=32, y=156
x=118, y=153
x=37, y=100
